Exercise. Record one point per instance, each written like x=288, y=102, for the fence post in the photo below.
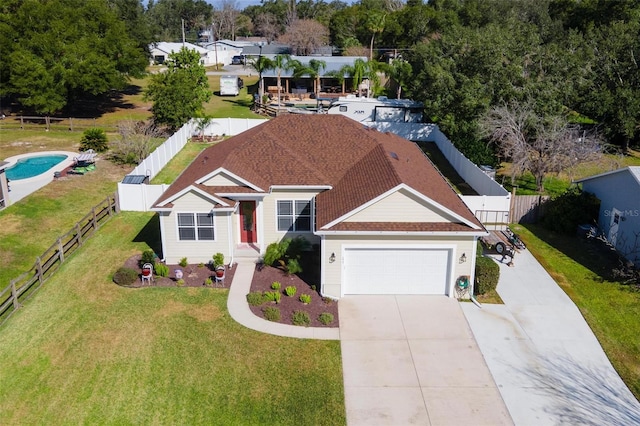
x=116, y=202
x=79, y=234
x=71, y=124
x=14, y=295
x=22, y=122
x=39, y=270
x=94, y=222
x=60, y=251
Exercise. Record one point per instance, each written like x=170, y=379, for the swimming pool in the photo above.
x=33, y=166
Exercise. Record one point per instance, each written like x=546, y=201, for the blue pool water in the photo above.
x=33, y=166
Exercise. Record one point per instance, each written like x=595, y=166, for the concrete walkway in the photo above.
x=412, y=360
x=239, y=310
x=548, y=365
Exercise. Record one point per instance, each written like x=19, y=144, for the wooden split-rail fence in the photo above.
x=23, y=287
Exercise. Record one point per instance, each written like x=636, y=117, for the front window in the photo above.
x=294, y=215
x=195, y=227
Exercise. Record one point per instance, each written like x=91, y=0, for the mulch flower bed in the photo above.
x=263, y=277
x=193, y=275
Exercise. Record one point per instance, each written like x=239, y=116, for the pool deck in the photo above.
x=18, y=189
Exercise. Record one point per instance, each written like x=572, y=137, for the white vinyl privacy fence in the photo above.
x=493, y=204
x=140, y=197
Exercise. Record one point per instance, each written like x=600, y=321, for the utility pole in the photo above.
x=215, y=45
x=183, y=37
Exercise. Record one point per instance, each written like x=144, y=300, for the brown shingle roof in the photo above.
x=359, y=163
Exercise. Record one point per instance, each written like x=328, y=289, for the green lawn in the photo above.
x=178, y=163
x=612, y=310
x=84, y=350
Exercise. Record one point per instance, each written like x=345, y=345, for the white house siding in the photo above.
x=400, y=206
x=221, y=179
x=194, y=251
x=270, y=226
x=332, y=271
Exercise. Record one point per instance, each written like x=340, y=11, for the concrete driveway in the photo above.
x=412, y=360
x=548, y=365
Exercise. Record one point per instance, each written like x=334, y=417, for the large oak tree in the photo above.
x=56, y=51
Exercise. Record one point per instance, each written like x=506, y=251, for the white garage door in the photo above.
x=396, y=271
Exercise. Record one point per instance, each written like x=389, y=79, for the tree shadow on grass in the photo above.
x=583, y=394
x=241, y=102
x=96, y=106
x=150, y=234
x=591, y=254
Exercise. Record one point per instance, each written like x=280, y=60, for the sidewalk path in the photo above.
x=239, y=310
x=546, y=361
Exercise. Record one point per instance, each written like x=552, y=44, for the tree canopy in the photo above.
x=179, y=92
x=56, y=51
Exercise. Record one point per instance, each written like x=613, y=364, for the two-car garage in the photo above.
x=396, y=270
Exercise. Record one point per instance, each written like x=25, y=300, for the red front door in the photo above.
x=248, y=221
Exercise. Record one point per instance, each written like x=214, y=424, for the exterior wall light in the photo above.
x=332, y=258
x=463, y=258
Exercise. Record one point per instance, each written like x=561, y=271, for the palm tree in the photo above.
x=281, y=63
x=312, y=70
x=360, y=70
x=375, y=24
x=400, y=71
x=261, y=64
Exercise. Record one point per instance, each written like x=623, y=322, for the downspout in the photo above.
x=474, y=254
x=231, y=242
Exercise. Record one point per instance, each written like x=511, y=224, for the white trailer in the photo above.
x=229, y=85
x=379, y=109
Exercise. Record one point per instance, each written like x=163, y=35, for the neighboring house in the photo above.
x=329, y=83
x=160, y=52
x=619, y=219
x=222, y=51
x=385, y=219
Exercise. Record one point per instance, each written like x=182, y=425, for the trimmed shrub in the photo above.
x=218, y=260
x=275, y=285
x=148, y=256
x=180, y=282
x=293, y=266
x=327, y=300
x=271, y=313
x=567, y=211
x=208, y=282
x=201, y=265
x=272, y=296
x=161, y=269
x=255, y=298
x=305, y=298
x=487, y=275
x=325, y=318
x=95, y=139
x=290, y=290
x=125, y=276
x=183, y=262
x=300, y=318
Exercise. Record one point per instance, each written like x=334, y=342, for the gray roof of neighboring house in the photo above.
x=634, y=170
x=334, y=63
x=168, y=47
x=267, y=49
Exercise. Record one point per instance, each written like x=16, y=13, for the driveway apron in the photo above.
x=549, y=366
x=412, y=360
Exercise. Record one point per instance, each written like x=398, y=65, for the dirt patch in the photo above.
x=265, y=276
